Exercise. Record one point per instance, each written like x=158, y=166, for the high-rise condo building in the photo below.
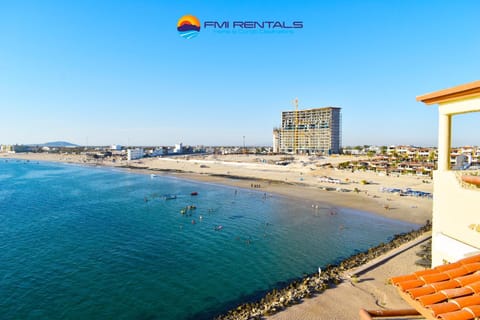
x=311, y=131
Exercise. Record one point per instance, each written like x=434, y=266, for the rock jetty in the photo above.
x=279, y=299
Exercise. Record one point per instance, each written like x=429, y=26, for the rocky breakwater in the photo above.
x=279, y=299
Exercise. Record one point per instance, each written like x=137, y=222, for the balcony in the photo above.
x=455, y=223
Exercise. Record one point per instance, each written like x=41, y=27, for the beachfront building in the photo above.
x=8, y=148
x=456, y=223
x=311, y=131
x=160, y=151
x=178, y=148
x=133, y=154
x=276, y=140
x=115, y=147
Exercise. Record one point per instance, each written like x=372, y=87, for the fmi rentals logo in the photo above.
x=189, y=26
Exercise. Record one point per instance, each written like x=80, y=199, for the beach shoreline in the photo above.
x=303, y=298
x=296, y=182
x=370, y=199
x=369, y=290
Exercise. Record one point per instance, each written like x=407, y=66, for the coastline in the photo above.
x=310, y=286
x=309, y=297
x=297, y=182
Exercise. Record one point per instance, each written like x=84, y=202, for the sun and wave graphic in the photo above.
x=188, y=26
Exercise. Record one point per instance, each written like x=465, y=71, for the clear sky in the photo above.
x=105, y=72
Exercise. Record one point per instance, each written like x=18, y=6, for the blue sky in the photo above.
x=107, y=72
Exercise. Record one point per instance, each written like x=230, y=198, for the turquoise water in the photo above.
x=82, y=243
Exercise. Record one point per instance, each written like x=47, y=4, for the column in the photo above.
x=444, y=140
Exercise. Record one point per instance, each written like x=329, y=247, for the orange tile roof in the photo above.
x=449, y=292
x=475, y=180
x=458, y=92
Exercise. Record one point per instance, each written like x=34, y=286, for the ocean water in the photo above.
x=82, y=243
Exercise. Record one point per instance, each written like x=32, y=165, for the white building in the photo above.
x=7, y=148
x=133, y=154
x=158, y=152
x=178, y=148
x=116, y=147
x=276, y=140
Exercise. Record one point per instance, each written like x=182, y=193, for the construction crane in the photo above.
x=295, y=130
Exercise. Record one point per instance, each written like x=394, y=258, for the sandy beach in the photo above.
x=370, y=291
x=303, y=180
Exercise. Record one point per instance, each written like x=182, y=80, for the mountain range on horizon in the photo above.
x=55, y=144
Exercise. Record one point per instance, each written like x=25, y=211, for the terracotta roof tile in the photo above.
x=475, y=287
x=403, y=278
x=463, y=281
x=472, y=267
x=458, y=272
x=431, y=278
x=457, y=315
x=449, y=266
x=432, y=298
x=467, y=301
x=449, y=292
x=409, y=284
x=444, y=307
x=423, y=272
x=445, y=285
x=421, y=291
x=472, y=259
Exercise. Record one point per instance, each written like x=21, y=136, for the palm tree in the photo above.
x=383, y=150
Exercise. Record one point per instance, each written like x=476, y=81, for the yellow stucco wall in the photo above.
x=454, y=209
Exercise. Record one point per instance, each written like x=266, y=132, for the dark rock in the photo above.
x=278, y=299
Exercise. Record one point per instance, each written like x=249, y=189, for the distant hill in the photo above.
x=58, y=144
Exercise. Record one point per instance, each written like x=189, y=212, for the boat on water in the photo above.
x=170, y=196
x=153, y=175
x=194, y=193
